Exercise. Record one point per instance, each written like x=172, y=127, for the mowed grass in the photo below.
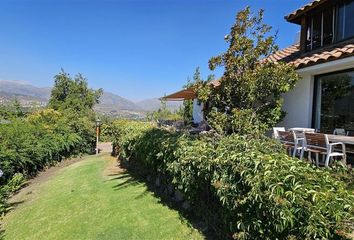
x=82, y=201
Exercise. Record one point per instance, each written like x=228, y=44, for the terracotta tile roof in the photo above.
x=292, y=16
x=293, y=55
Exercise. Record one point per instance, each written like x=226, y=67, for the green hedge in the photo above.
x=245, y=188
x=31, y=144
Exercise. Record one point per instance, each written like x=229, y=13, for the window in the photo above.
x=327, y=27
x=320, y=29
x=334, y=98
x=331, y=25
x=345, y=21
x=317, y=30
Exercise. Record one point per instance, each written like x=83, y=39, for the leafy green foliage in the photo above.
x=246, y=187
x=163, y=113
x=27, y=146
x=31, y=143
x=196, y=83
x=244, y=122
x=73, y=94
x=11, y=110
x=75, y=100
x=14, y=184
x=250, y=82
x=187, y=111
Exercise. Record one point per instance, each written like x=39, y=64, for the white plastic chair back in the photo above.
x=276, y=130
x=339, y=131
x=350, y=133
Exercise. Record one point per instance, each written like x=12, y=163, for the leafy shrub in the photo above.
x=29, y=145
x=124, y=133
x=32, y=142
x=247, y=188
x=15, y=183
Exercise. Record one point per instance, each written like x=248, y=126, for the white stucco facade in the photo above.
x=197, y=111
x=298, y=103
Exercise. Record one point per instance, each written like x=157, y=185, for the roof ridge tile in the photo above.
x=292, y=54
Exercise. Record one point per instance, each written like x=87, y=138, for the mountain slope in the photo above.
x=24, y=89
x=110, y=99
x=110, y=103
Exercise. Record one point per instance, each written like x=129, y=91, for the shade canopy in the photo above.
x=185, y=94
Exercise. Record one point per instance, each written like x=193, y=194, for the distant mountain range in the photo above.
x=154, y=104
x=110, y=103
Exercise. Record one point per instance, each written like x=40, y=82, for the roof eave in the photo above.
x=295, y=17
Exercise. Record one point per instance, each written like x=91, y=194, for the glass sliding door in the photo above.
x=334, y=101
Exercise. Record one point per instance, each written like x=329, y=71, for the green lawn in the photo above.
x=82, y=201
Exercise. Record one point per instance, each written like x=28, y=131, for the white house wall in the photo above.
x=298, y=102
x=198, y=115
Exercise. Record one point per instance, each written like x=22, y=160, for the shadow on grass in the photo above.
x=132, y=177
x=127, y=183
x=13, y=205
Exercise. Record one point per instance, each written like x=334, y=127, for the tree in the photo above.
x=251, y=86
x=195, y=83
x=73, y=93
x=75, y=100
x=12, y=110
x=188, y=103
x=17, y=109
x=163, y=113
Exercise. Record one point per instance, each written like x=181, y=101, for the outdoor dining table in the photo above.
x=339, y=138
x=298, y=129
x=347, y=140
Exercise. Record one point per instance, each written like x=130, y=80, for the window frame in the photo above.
x=309, y=25
x=316, y=89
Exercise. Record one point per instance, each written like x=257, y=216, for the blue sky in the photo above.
x=137, y=49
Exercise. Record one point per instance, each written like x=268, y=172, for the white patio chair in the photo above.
x=311, y=130
x=350, y=133
x=290, y=141
x=303, y=140
x=339, y=131
x=298, y=140
x=319, y=144
x=276, y=130
x=287, y=139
